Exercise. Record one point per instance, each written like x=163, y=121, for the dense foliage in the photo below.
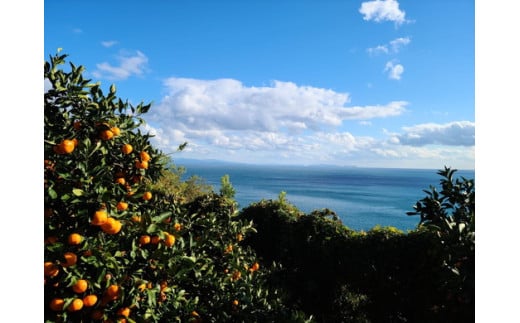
x=127, y=240
x=118, y=245
x=383, y=275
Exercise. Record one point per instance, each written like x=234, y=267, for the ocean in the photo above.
x=361, y=197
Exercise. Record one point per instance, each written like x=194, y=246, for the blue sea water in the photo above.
x=361, y=197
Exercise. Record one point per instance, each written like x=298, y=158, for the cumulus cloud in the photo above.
x=397, y=43
x=460, y=133
x=394, y=70
x=379, y=49
x=380, y=11
x=227, y=104
x=108, y=43
x=394, y=46
x=129, y=64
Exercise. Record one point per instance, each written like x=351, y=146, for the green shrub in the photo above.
x=161, y=257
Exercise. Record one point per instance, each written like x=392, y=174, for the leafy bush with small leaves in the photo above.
x=118, y=246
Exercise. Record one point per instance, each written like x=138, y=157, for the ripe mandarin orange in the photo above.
x=106, y=135
x=169, y=240
x=144, y=156
x=147, y=196
x=90, y=300
x=141, y=164
x=123, y=311
x=57, y=304
x=75, y=239
x=144, y=240
x=112, y=291
x=100, y=217
x=76, y=305
x=127, y=149
x=122, y=206
x=116, y=131
x=112, y=226
x=80, y=286
x=66, y=146
x=70, y=259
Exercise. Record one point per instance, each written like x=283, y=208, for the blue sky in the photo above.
x=365, y=83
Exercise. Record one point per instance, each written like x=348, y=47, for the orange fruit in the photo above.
x=236, y=275
x=127, y=149
x=80, y=286
x=112, y=226
x=177, y=227
x=66, y=146
x=123, y=311
x=112, y=291
x=141, y=164
x=106, y=135
x=169, y=240
x=100, y=217
x=90, y=300
x=163, y=285
x=144, y=156
x=51, y=240
x=57, y=304
x=122, y=206
x=235, y=302
x=70, y=259
x=76, y=305
x=75, y=239
x=155, y=240
x=50, y=269
x=121, y=180
x=147, y=196
x=135, y=218
x=144, y=239
x=142, y=287
x=228, y=249
x=116, y=131
x=240, y=237
x=254, y=267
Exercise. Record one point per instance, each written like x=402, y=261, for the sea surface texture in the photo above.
x=361, y=197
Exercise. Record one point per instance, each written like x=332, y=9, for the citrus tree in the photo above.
x=118, y=249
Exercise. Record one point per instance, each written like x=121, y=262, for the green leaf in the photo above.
x=152, y=228
x=52, y=193
x=77, y=192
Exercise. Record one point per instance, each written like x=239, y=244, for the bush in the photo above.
x=383, y=275
x=118, y=246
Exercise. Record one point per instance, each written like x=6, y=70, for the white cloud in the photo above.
x=379, y=11
x=394, y=46
x=108, y=43
x=287, y=123
x=460, y=133
x=394, y=70
x=129, y=64
x=380, y=49
x=397, y=43
x=228, y=105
